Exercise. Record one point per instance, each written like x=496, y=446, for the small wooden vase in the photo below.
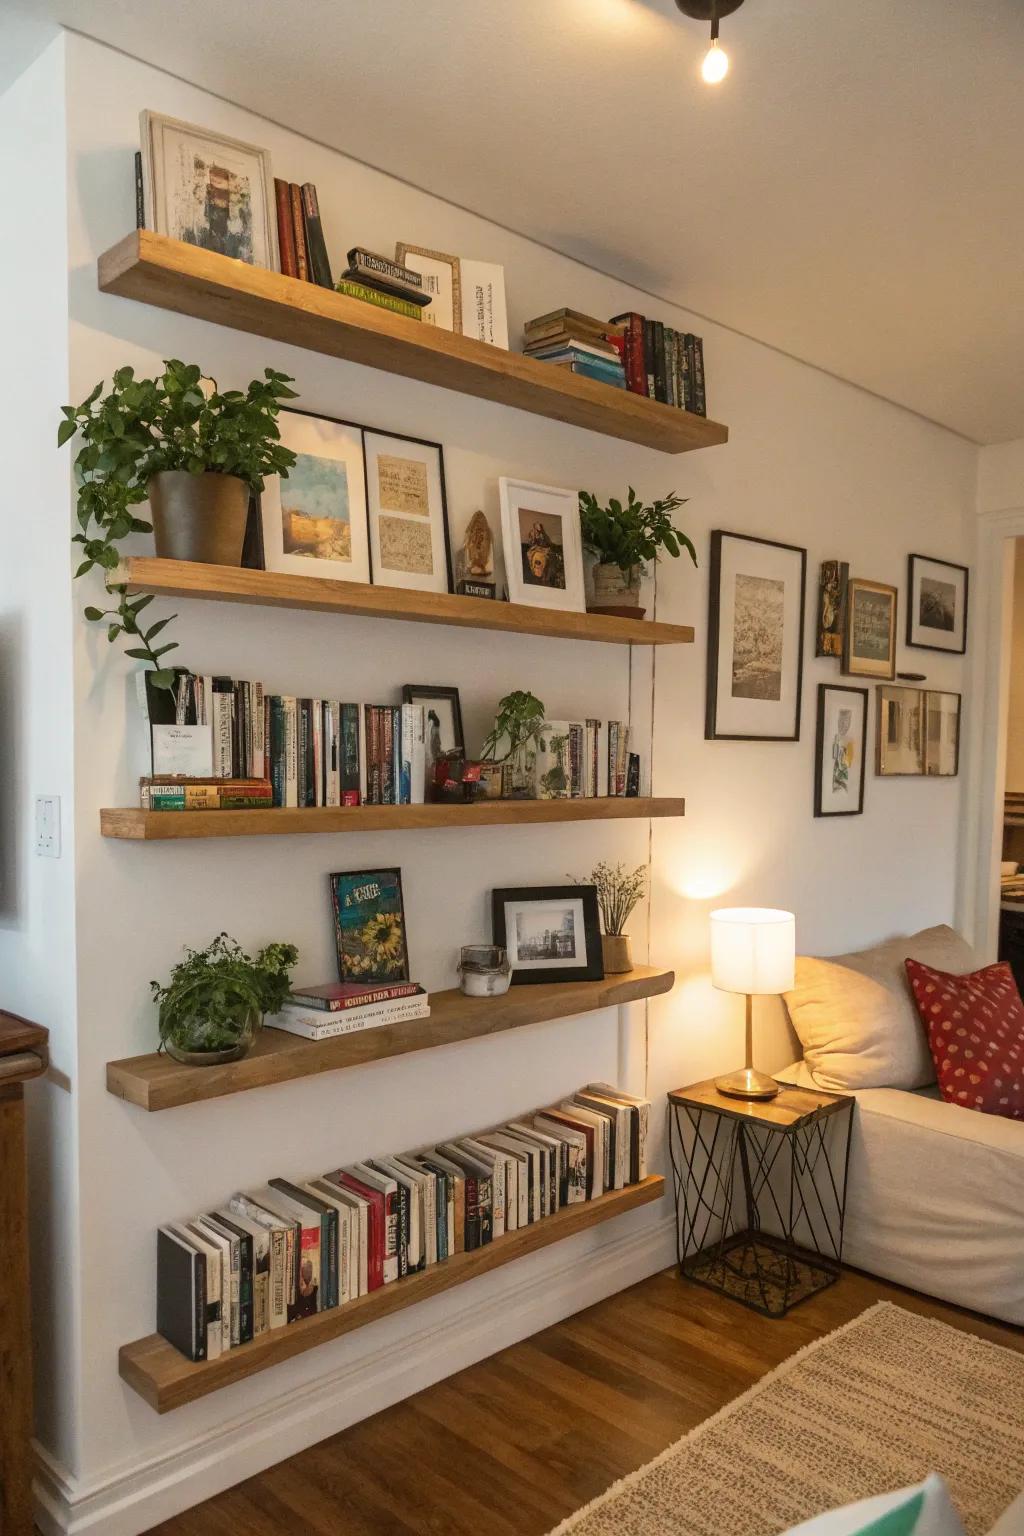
x=616, y=953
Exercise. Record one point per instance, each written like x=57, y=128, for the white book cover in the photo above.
x=333, y=750
x=330, y=1197
x=522, y=1157
x=603, y=1130
x=282, y=1254
x=415, y=1249
x=207, y=698
x=184, y=749
x=233, y=1258
x=428, y=1196
x=643, y=1109
x=223, y=708
x=544, y=1144
x=623, y=1115
x=261, y=1267
x=576, y=1185
x=414, y=752
x=535, y=1175
x=359, y=1254
x=260, y=767
x=484, y=313
x=313, y=1024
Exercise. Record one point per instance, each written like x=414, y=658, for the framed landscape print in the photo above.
x=552, y=933
x=941, y=734
x=755, y=639
x=442, y=279
x=369, y=926
x=314, y=519
x=937, y=605
x=540, y=527
x=900, y=732
x=408, y=513
x=208, y=190
x=869, y=632
x=841, y=750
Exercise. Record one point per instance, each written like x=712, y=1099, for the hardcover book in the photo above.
x=369, y=918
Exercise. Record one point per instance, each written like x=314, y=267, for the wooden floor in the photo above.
x=513, y=1445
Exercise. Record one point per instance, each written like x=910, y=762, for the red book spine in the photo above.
x=375, y=1226
x=301, y=255
x=636, y=372
x=285, y=228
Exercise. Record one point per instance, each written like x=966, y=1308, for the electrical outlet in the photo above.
x=48, y=826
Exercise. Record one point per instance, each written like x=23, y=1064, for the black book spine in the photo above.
x=691, y=368
x=275, y=747
x=633, y=776
x=315, y=243
x=140, y=197
x=563, y=1173
x=236, y=731
x=486, y=1195
x=245, y=1288
x=660, y=386
x=307, y=783
x=473, y=1234
x=649, y=356
x=700, y=403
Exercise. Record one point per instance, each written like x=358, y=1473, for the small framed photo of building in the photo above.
x=937, y=605
x=540, y=527
x=900, y=732
x=408, y=513
x=841, y=751
x=551, y=933
x=941, y=734
x=869, y=629
x=755, y=639
x=314, y=518
x=208, y=190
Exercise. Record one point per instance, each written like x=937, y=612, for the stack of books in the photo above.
x=579, y=343
x=300, y=234
x=343, y=1007
x=291, y=1248
x=378, y=280
x=179, y=792
x=663, y=363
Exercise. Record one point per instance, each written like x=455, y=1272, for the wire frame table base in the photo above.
x=760, y=1207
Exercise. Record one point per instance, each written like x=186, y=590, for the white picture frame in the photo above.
x=172, y=152
x=407, y=513
x=442, y=279
x=328, y=484
x=525, y=505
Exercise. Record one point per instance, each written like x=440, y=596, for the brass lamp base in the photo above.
x=748, y=1083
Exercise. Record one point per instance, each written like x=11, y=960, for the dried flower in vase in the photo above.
x=617, y=893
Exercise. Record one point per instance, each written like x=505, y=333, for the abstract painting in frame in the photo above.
x=841, y=750
x=755, y=639
x=936, y=605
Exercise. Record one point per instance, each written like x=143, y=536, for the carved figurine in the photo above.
x=474, y=562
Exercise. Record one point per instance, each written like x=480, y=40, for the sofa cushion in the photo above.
x=855, y=1014
x=926, y=1510
x=975, y=1029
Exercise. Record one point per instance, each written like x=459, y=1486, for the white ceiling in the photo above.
x=851, y=195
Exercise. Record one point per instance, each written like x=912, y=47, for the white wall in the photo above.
x=1001, y=476
x=811, y=461
x=37, y=938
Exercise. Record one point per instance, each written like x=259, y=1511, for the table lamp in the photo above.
x=752, y=950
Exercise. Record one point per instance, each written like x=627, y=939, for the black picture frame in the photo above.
x=912, y=605
x=824, y=689
x=420, y=442
x=422, y=693
x=711, y=731
x=545, y=971
x=381, y=976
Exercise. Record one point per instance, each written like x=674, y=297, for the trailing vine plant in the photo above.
x=179, y=420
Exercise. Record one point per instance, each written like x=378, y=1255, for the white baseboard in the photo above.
x=131, y=1500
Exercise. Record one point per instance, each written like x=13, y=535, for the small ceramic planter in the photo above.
x=616, y=953
x=616, y=593
x=485, y=970
x=199, y=517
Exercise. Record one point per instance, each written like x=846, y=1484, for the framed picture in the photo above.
x=552, y=933
x=314, y=519
x=408, y=513
x=369, y=925
x=941, y=734
x=936, y=605
x=208, y=190
x=869, y=629
x=828, y=639
x=442, y=279
x=443, y=714
x=755, y=639
x=841, y=750
x=540, y=527
x=899, y=749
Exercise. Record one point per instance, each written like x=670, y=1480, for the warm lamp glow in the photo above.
x=716, y=64
x=752, y=950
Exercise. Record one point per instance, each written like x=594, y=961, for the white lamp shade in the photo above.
x=752, y=949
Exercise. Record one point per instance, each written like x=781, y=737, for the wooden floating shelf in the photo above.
x=173, y=275
x=236, y=584
x=164, y=826
x=156, y=1082
x=168, y=1380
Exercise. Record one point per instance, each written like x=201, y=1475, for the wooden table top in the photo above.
x=789, y=1109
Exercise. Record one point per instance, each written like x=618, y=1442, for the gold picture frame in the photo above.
x=442, y=279
x=869, y=624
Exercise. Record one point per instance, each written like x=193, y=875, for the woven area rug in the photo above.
x=872, y=1407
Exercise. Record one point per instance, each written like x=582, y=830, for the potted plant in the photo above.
x=624, y=539
x=195, y=452
x=216, y=998
x=617, y=895
x=518, y=725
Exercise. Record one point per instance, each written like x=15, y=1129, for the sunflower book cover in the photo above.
x=369, y=923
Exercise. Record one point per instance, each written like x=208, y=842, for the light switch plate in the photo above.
x=48, y=826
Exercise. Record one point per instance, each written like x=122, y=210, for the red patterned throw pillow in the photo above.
x=975, y=1028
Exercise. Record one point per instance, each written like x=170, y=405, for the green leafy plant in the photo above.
x=632, y=535
x=180, y=420
x=617, y=892
x=519, y=721
x=216, y=995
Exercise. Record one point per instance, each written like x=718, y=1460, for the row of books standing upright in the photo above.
x=291, y=1248
x=629, y=351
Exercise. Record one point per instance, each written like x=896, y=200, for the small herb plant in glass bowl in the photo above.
x=215, y=1001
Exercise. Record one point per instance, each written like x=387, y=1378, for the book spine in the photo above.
x=316, y=1027
x=373, y=265
x=700, y=403
x=670, y=366
x=472, y=1212
x=140, y=196
x=316, y=725
x=332, y=750
x=316, y=247
x=350, y=754
x=298, y=225
x=649, y=358
x=258, y=762
x=691, y=368
x=291, y=751
x=285, y=228
x=660, y=385
x=375, y=296
x=368, y=997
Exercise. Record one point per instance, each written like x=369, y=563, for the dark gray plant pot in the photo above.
x=199, y=517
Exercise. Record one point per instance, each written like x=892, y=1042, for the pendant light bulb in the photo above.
x=716, y=64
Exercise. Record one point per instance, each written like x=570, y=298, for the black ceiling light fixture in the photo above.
x=716, y=61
